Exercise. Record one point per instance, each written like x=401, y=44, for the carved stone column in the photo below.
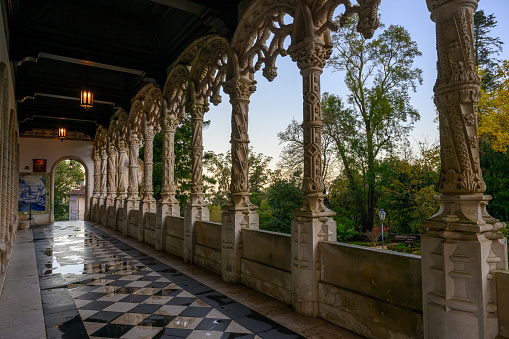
x=112, y=182
x=147, y=203
x=131, y=202
x=462, y=245
x=313, y=221
x=97, y=186
x=240, y=213
x=104, y=187
x=196, y=208
x=168, y=205
x=121, y=189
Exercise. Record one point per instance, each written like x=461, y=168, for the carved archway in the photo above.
x=52, y=188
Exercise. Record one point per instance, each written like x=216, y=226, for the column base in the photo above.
x=234, y=219
x=195, y=210
x=459, y=251
x=313, y=223
x=165, y=207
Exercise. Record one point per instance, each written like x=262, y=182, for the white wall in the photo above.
x=54, y=150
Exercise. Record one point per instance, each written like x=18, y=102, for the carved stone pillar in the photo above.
x=240, y=213
x=147, y=203
x=104, y=185
x=168, y=205
x=112, y=175
x=462, y=245
x=131, y=202
x=97, y=186
x=313, y=221
x=121, y=189
x=196, y=208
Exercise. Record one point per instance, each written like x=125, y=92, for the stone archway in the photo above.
x=52, y=187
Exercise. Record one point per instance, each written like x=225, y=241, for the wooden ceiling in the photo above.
x=112, y=47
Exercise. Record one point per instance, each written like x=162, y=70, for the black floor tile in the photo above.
x=97, y=305
x=181, y=301
x=156, y=321
x=145, y=308
x=104, y=316
x=112, y=331
x=133, y=298
x=174, y=333
x=91, y=295
x=210, y=324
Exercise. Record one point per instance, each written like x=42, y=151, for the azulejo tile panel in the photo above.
x=94, y=285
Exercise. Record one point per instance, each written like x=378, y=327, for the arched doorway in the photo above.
x=86, y=186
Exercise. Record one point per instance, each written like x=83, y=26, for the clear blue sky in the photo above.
x=274, y=104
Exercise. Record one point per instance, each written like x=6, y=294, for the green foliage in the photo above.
x=344, y=232
x=219, y=165
x=265, y=214
x=407, y=189
x=283, y=197
x=495, y=170
x=65, y=180
x=379, y=76
x=215, y=213
x=486, y=47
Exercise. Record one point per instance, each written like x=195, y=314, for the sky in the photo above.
x=274, y=104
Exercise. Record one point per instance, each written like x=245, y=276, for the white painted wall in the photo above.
x=54, y=151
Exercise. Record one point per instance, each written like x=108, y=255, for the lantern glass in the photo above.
x=381, y=214
x=86, y=99
x=61, y=133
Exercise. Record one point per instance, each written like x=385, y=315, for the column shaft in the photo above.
x=196, y=208
x=240, y=213
x=313, y=221
x=462, y=245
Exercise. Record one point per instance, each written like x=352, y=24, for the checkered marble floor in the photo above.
x=94, y=285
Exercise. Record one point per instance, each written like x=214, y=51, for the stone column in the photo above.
x=168, y=205
x=313, y=221
x=121, y=189
x=131, y=202
x=240, y=213
x=104, y=187
x=112, y=182
x=196, y=208
x=97, y=186
x=147, y=203
x=462, y=245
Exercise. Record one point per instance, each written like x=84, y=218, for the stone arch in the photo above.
x=52, y=187
x=208, y=71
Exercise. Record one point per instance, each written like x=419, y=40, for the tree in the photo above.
x=292, y=155
x=407, y=188
x=65, y=180
x=283, y=197
x=379, y=76
x=493, y=110
x=485, y=47
x=219, y=166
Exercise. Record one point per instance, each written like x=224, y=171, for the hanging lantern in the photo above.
x=70, y=166
x=87, y=99
x=61, y=133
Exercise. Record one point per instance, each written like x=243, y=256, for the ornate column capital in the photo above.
x=239, y=88
x=169, y=123
x=197, y=109
x=436, y=7
x=310, y=53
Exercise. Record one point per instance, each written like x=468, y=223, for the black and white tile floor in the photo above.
x=94, y=285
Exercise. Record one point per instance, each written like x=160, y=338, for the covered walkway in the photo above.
x=77, y=279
